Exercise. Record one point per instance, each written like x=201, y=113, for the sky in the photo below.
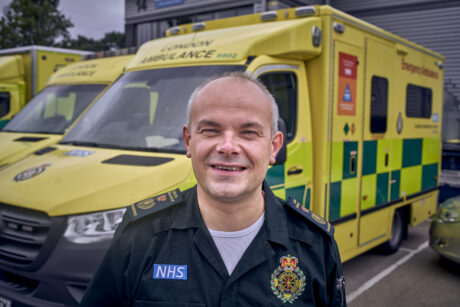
x=91, y=18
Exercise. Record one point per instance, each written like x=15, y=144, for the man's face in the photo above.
x=229, y=139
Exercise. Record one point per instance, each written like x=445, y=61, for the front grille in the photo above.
x=17, y=283
x=22, y=234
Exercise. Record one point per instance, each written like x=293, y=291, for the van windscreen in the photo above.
x=54, y=109
x=143, y=110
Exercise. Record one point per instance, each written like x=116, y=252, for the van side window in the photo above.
x=4, y=103
x=283, y=86
x=418, y=101
x=379, y=104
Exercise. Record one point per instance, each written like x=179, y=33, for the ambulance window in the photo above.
x=418, y=101
x=225, y=13
x=379, y=104
x=54, y=109
x=283, y=86
x=245, y=10
x=144, y=110
x=4, y=103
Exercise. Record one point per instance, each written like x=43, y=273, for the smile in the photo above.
x=228, y=168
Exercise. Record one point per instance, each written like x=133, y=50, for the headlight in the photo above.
x=95, y=227
x=449, y=211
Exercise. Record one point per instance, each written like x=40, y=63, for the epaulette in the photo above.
x=311, y=216
x=151, y=205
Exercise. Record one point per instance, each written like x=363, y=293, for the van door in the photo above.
x=287, y=81
x=10, y=102
x=375, y=181
x=5, y=105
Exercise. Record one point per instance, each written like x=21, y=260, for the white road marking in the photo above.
x=405, y=249
x=371, y=282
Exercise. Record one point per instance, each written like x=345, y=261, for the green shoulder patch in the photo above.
x=311, y=216
x=151, y=205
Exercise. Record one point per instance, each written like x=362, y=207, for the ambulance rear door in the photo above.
x=376, y=176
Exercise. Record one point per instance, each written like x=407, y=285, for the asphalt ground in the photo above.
x=413, y=276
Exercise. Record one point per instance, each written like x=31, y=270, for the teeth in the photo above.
x=227, y=168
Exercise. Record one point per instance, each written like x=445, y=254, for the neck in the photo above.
x=230, y=216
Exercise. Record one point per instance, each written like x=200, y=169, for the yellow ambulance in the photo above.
x=47, y=116
x=24, y=72
x=362, y=109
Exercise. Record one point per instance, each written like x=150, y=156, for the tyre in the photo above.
x=397, y=232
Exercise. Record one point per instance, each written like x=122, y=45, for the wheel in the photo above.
x=397, y=232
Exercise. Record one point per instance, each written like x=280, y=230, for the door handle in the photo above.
x=294, y=171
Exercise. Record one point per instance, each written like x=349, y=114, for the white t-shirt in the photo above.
x=233, y=244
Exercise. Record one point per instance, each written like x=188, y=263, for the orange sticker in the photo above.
x=346, y=100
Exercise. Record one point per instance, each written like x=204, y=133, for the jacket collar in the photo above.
x=190, y=215
x=275, y=216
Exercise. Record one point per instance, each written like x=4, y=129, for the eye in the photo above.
x=209, y=131
x=250, y=133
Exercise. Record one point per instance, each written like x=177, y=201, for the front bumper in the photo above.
x=59, y=274
x=445, y=240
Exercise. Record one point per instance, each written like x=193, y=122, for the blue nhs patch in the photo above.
x=169, y=271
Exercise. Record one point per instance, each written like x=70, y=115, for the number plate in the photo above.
x=4, y=302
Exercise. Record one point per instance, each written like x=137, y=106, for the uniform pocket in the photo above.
x=166, y=304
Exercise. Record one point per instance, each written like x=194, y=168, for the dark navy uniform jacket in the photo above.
x=162, y=254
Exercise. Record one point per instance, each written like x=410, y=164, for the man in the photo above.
x=228, y=241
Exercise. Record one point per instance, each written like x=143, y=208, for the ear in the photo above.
x=277, y=142
x=186, y=136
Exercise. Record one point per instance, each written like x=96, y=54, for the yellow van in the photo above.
x=362, y=109
x=48, y=115
x=24, y=72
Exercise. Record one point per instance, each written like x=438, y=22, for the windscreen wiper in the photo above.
x=81, y=143
x=153, y=149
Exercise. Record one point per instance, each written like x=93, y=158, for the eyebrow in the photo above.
x=207, y=122
x=252, y=125
x=211, y=123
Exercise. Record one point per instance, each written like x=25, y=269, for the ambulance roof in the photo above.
x=287, y=33
x=104, y=70
x=229, y=45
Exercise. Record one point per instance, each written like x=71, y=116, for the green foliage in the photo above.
x=39, y=22
x=33, y=22
x=111, y=40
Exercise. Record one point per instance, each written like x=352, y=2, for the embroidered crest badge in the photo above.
x=288, y=280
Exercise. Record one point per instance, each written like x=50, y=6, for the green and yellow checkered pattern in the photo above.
x=275, y=179
x=296, y=186
x=391, y=170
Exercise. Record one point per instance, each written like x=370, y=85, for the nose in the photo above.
x=228, y=144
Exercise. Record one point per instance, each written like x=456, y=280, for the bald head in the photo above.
x=229, y=80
